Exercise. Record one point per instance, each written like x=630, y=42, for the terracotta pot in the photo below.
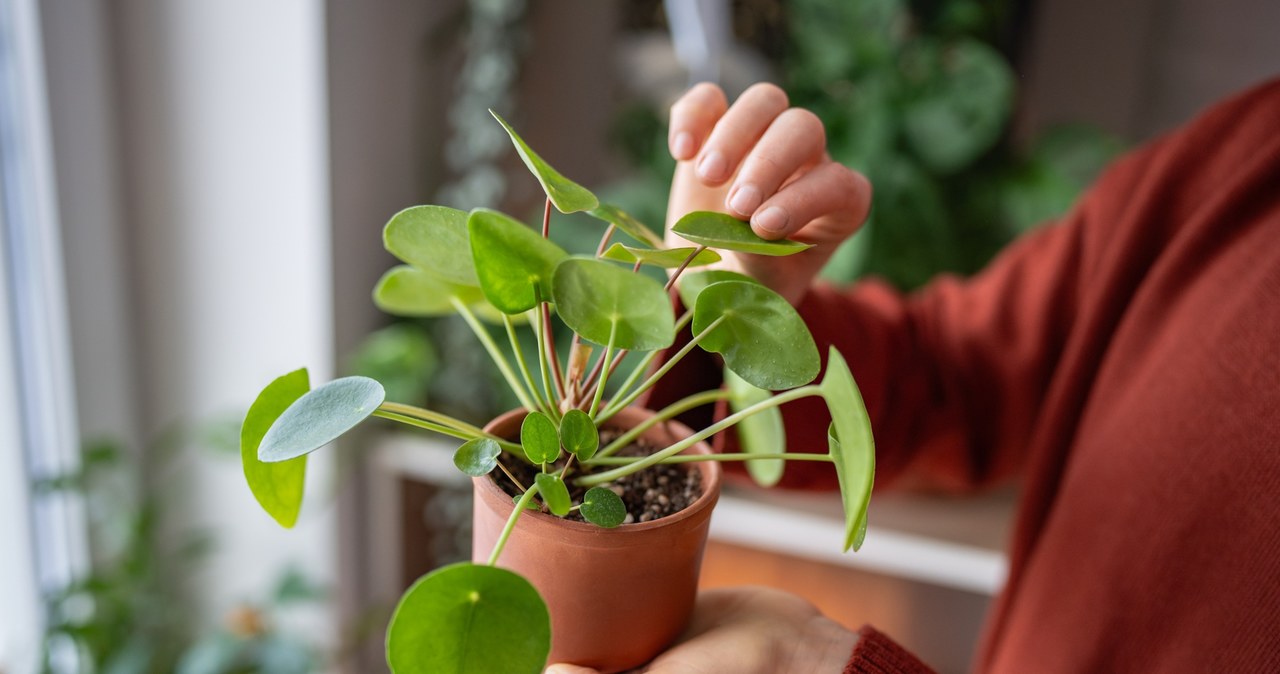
x=617, y=597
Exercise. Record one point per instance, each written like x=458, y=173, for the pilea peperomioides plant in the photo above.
x=487, y=266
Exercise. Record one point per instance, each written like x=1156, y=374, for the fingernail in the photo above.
x=771, y=219
x=712, y=166
x=682, y=146
x=745, y=199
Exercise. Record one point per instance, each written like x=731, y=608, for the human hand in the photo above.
x=765, y=162
x=751, y=630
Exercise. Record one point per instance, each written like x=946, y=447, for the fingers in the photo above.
x=824, y=205
x=693, y=117
x=570, y=669
x=738, y=131
x=794, y=139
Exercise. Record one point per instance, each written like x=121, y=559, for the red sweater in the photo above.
x=1125, y=364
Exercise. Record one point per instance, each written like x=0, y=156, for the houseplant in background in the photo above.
x=570, y=453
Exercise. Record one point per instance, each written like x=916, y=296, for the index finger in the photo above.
x=693, y=117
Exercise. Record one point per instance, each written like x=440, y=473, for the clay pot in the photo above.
x=617, y=597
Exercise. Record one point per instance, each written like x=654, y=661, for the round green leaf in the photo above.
x=602, y=507
x=277, y=486
x=579, y=435
x=668, y=258
x=568, y=196
x=409, y=291
x=725, y=232
x=433, y=238
x=513, y=262
x=629, y=225
x=597, y=300
x=762, y=338
x=478, y=456
x=692, y=283
x=466, y=618
x=539, y=438
x=852, y=446
x=554, y=493
x=760, y=434
x=319, y=417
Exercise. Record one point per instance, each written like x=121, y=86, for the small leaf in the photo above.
x=469, y=618
x=514, y=263
x=568, y=196
x=531, y=504
x=277, y=486
x=478, y=456
x=319, y=417
x=691, y=285
x=432, y=238
x=409, y=291
x=669, y=258
x=595, y=298
x=539, y=438
x=604, y=508
x=725, y=232
x=554, y=493
x=629, y=225
x=579, y=435
x=852, y=446
x=762, y=338
x=760, y=434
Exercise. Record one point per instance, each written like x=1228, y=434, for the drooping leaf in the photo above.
x=539, y=438
x=762, y=338
x=568, y=196
x=760, y=434
x=467, y=618
x=602, y=507
x=513, y=262
x=432, y=238
x=277, y=486
x=554, y=493
x=578, y=434
x=629, y=225
x=319, y=417
x=725, y=232
x=478, y=456
x=668, y=258
x=597, y=299
x=852, y=446
x=410, y=291
x=692, y=283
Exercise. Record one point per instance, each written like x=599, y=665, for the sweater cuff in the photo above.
x=876, y=653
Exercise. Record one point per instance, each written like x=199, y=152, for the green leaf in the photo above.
x=514, y=263
x=597, y=299
x=277, y=486
x=725, y=232
x=668, y=258
x=629, y=225
x=319, y=417
x=539, y=438
x=568, y=196
x=467, y=618
x=760, y=434
x=478, y=456
x=432, y=238
x=554, y=493
x=531, y=504
x=602, y=507
x=691, y=284
x=762, y=338
x=579, y=435
x=409, y=291
x=852, y=447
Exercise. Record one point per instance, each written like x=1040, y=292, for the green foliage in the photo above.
x=277, y=486
x=578, y=434
x=513, y=263
x=717, y=230
x=669, y=258
x=317, y=418
x=428, y=237
x=477, y=457
x=604, y=508
x=568, y=196
x=554, y=493
x=540, y=438
x=610, y=305
x=851, y=445
x=761, y=434
x=762, y=338
x=628, y=224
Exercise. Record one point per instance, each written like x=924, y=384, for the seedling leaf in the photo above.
x=539, y=438
x=604, y=508
x=278, y=487
x=578, y=434
x=725, y=232
x=554, y=493
x=478, y=456
x=319, y=417
x=762, y=338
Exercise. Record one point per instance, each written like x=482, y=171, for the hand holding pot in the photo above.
x=762, y=161
x=750, y=630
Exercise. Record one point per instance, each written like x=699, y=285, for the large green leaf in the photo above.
x=568, y=196
x=852, y=447
x=762, y=338
x=433, y=238
x=725, y=232
x=691, y=284
x=629, y=225
x=514, y=263
x=467, y=618
x=597, y=299
x=277, y=486
x=760, y=434
x=410, y=291
x=668, y=258
x=319, y=417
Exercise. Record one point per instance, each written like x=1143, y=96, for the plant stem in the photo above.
x=435, y=417
x=608, y=353
x=604, y=240
x=643, y=365
x=543, y=404
x=511, y=524
x=511, y=477
x=549, y=341
x=732, y=419
x=494, y=353
x=462, y=434
x=671, y=282
x=618, y=405
x=678, y=407
x=543, y=364
x=546, y=220
x=694, y=458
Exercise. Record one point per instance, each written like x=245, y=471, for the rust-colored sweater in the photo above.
x=1125, y=365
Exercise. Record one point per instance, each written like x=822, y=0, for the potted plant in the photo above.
x=569, y=453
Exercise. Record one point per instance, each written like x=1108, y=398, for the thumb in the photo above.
x=569, y=669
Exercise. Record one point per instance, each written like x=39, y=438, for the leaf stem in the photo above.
x=676, y=408
x=694, y=458
x=543, y=404
x=671, y=282
x=546, y=220
x=549, y=341
x=543, y=364
x=618, y=405
x=511, y=524
x=495, y=353
x=440, y=423
x=512, y=477
x=604, y=240
x=608, y=353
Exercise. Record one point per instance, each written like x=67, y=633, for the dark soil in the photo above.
x=653, y=493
